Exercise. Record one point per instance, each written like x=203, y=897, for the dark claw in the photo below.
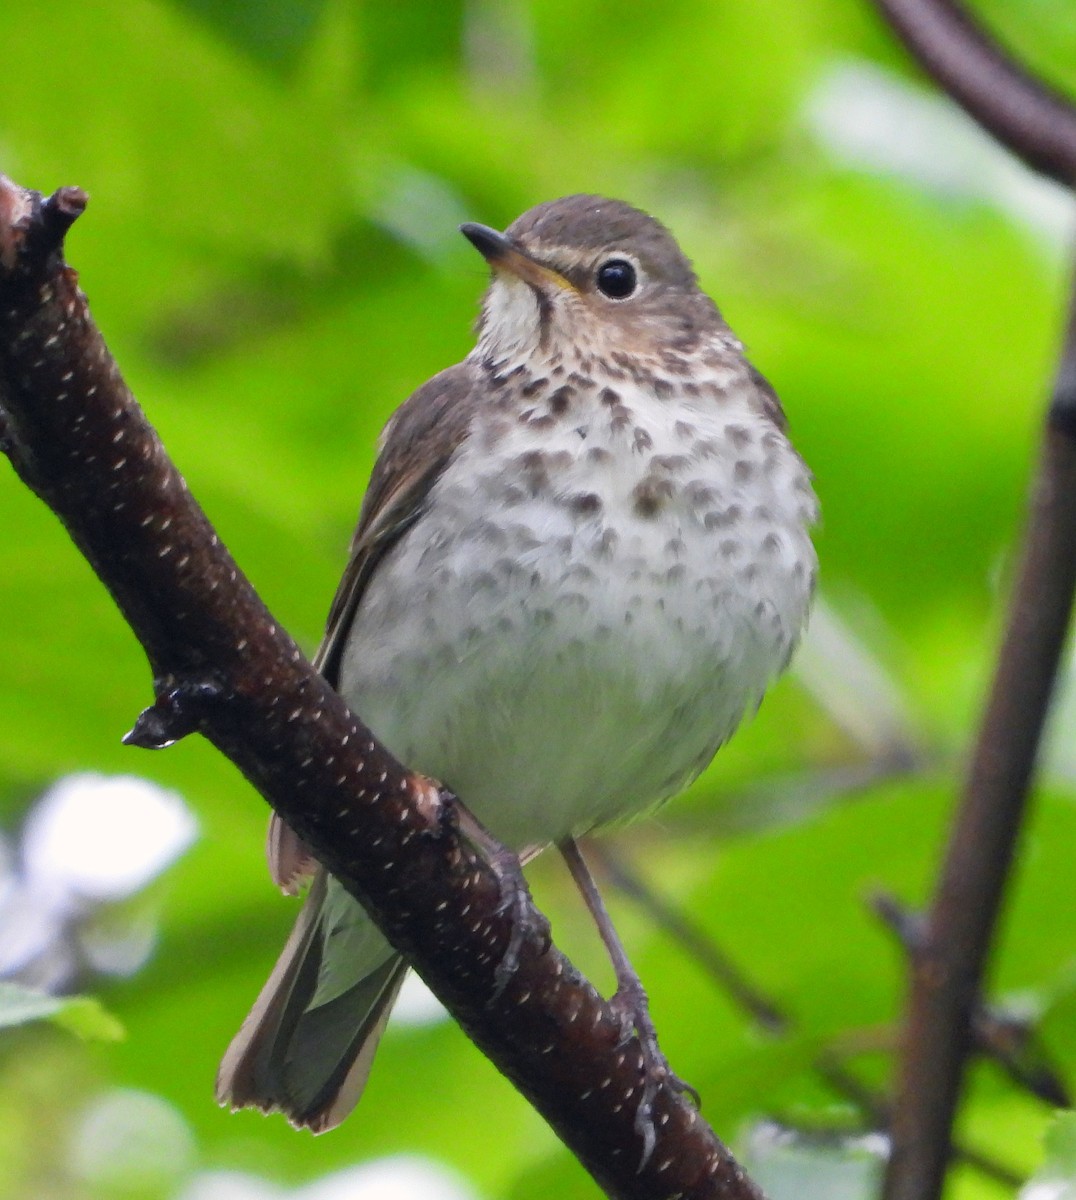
x=525, y=918
x=515, y=898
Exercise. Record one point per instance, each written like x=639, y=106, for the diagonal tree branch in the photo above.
x=1039, y=126
x=223, y=667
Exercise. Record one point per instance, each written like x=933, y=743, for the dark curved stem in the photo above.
x=872, y=1104
x=950, y=963
x=224, y=667
x=1035, y=122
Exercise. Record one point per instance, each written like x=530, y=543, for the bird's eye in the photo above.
x=617, y=279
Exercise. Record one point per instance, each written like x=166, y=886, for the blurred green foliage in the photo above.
x=271, y=252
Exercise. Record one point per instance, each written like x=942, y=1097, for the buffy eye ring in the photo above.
x=617, y=279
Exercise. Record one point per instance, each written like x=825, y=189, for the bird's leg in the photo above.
x=515, y=895
x=629, y=1001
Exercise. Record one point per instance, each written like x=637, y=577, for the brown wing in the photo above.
x=416, y=445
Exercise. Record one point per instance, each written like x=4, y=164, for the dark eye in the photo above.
x=617, y=279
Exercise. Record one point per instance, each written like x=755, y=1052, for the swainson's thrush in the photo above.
x=582, y=557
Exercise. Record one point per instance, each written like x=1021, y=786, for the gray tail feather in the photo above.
x=310, y=1064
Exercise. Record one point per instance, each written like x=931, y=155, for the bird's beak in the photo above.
x=504, y=256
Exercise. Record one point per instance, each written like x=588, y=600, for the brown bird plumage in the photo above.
x=582, y=556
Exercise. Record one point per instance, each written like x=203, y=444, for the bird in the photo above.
x=584, y=553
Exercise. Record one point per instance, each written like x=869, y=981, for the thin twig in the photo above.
x=1009, y=1040
x=1039, y=126
x=871, y=1103
x=223, y=667
x=947, y=973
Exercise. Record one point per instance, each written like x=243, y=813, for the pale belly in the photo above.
x=561, y=663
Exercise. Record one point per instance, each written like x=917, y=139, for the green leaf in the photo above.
x=82, y=1015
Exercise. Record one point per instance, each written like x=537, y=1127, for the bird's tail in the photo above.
x=306, y=1047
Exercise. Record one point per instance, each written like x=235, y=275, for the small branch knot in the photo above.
x=178, y=711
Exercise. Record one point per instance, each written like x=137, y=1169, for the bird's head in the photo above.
x=586, y=277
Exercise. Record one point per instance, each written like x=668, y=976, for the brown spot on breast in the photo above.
x=485, y=531
x=650, y=495
x=739, y=436
x=500, y=379
x=699, y=493
x=663, y=389
x=495, y=428
x=533, y=469
x=641, y=440
x=609, y=397
x=771, y=544
x=730, y=548
x=722, y=518
x=585, y=503
x=507, y=568
x=745, y=470
x=619, y=418
x=561, y=399
x=764, y=399
x=534, y=386
x=598, y=454
x=583, y=381
x=684, y=430
x=580, y=572
x=607, y=543
x=484, y=581
x=627, y=363
x=672, y=463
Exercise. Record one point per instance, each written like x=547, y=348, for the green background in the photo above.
x=271, y=252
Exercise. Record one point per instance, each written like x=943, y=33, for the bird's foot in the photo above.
x=526, y=920
x=515, y=900
x=632, y=1008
